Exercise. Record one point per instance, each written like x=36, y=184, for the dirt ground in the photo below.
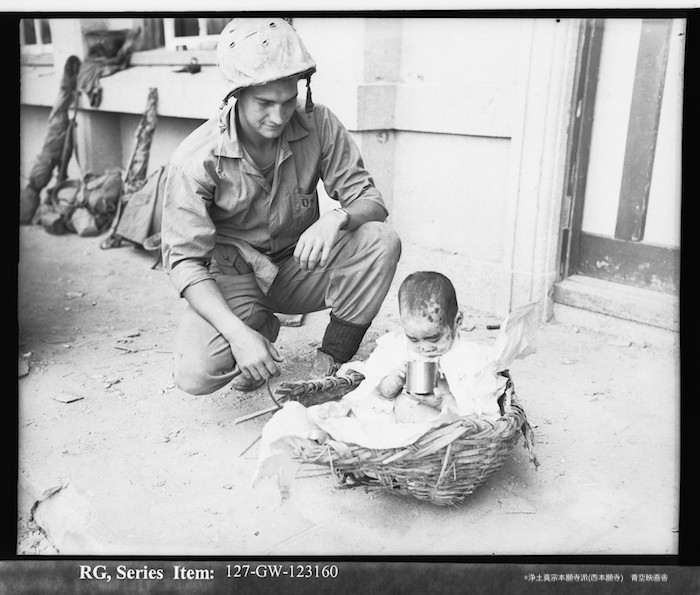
x=114, y=460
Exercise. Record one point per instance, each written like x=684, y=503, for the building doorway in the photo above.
x=622, y=203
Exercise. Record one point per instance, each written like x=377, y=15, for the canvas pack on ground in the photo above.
x=86, y=207
x=140, y=218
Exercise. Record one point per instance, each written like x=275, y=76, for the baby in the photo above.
x=430, y=318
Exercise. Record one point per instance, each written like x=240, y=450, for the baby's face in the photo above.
x=427, y=338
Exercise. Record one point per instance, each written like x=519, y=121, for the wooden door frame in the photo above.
x=623, y=258
x=579, y=141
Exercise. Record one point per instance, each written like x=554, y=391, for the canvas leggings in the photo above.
x=353, y=284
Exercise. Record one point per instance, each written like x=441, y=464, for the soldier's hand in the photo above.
x=315, y=244
x=255, y=356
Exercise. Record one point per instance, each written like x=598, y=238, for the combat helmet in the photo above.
x=256, y=51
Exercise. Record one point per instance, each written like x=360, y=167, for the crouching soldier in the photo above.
x=242, y=238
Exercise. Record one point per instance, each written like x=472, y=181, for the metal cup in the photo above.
x=421, y=377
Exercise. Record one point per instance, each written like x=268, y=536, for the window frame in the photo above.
x=189, y=42
x=34, y=49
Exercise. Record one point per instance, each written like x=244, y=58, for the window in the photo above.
x=35, y=36
x=192, y=34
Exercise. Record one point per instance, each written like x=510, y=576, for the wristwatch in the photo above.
x=343, y=212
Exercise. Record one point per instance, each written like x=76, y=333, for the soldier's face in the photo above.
x=264, y=110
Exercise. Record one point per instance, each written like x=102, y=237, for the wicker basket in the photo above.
x=444, y=466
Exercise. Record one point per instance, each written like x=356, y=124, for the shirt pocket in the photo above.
x=304, y=210
x=226, y=260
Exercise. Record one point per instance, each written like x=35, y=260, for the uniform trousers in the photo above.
x=353, y=284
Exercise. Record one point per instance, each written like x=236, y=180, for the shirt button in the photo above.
x=225, y=256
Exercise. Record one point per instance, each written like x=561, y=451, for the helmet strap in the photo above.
x=309, y=103
x=225, y=101
x=222, y=130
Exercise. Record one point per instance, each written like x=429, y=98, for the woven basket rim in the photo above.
x=468, y=427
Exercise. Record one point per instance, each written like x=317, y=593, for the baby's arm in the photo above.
x=448, y=403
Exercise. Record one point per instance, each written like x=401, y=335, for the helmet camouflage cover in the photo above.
x=256, y=51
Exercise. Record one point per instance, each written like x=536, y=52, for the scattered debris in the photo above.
x=512, y=504
x=66, y=398
x=567, y=362
x=35, y=542
x=253, y=443
x=265, y=411
x=619, y=342
x=130, y=349
x=74, y=294
x=112, y=382
x=169, y=437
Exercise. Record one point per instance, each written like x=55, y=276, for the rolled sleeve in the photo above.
x=188, y=234
x=342, y=168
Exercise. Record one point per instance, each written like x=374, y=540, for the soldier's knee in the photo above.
x=392, y=244
x=197, y=376
x=384, y=240
x=189, y=382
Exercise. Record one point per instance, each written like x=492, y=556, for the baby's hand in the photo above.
x=434, y=400
x=392, y=384
x=437, y=399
